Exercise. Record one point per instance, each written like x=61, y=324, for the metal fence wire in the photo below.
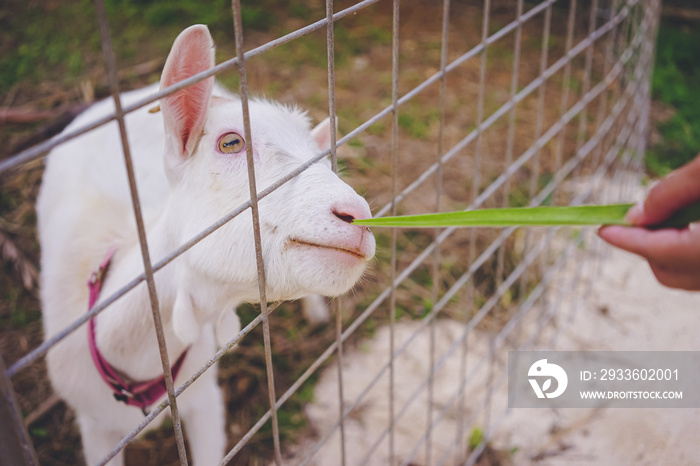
x=548, y=95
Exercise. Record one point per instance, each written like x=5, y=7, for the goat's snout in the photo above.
x=348, y=211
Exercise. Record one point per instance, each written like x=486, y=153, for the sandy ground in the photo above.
x=627, y=310
x=624, y=309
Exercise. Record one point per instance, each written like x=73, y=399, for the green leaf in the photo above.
x=512, y=216
x=613, y=214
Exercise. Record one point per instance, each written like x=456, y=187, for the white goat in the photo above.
x=191, y=170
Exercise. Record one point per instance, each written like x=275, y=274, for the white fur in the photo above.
x=185, y=184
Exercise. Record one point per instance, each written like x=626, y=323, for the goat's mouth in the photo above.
x=356, y=252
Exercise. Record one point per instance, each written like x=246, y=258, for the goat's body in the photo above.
x=85, y=209
x=94, y=185
x=85, y=205
x=187, y=179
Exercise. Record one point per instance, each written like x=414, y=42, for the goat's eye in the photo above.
x=231, y=143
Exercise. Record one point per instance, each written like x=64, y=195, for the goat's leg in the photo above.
x=227, y=327
x=202, y=406
x=98, y=441
x=205, y=425
x=315, y=309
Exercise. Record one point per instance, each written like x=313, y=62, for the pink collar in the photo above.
x=140, y=394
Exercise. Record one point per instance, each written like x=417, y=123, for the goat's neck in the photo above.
x=125, y=330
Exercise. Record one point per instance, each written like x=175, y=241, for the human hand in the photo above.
x=673, y=255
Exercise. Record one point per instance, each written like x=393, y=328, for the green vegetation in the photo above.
x=476, y=438
x=418, y=120
x=676, y=82
x=44, y=49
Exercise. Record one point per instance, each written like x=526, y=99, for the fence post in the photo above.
x=15, y=445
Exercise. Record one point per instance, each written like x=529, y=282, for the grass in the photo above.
x=43, y=49
x=676, y=83
x=476, y=438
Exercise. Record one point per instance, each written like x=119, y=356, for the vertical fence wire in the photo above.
x=470, y=292
x=262, y=285
x=511, y=127
x=563, y=106
x=394, y=211
x=535, y=170
x=480, y=137
x=596, y=264
x=580, y=140
x=15, y=443
x=566, y=83
x=141, y=229
x=461, y=390
x=621, y=174
x=330, y=49
x=444, y=38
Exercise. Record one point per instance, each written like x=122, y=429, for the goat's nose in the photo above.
x=348, y=211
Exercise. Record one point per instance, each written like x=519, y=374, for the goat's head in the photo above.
x=309, y=243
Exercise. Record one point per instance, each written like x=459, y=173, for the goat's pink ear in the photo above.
x=185, y=111
x=322, y=134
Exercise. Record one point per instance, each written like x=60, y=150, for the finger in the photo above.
x=684, y=280
x=668, y=247
x=677, y=190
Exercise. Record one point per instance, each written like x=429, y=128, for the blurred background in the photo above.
x=51, y=68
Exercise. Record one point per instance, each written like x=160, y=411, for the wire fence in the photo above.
x=568, y=113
